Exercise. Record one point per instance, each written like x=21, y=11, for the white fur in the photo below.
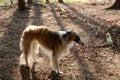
x=61, y=33
x=22, y=56
x=21, y=47
x=22, y=59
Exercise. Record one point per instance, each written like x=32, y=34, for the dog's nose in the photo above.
x=82, y=43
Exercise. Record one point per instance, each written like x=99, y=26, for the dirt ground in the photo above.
x=96, y=61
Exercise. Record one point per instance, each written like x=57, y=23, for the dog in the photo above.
x=55, y=44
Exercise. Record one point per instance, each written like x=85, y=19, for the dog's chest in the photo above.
x=64, y=50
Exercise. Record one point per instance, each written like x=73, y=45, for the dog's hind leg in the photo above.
x=35, y=49
x=25, y=46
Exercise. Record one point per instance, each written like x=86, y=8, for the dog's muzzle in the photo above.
x=80, y=42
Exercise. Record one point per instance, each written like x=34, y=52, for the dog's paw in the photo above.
x=60, y=72
x=57, y=72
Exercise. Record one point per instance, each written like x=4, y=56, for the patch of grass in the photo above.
x=4, y=4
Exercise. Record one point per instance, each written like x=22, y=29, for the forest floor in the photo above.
x=97, y=61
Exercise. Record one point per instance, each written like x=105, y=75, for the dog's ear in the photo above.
x=67, y=35
x=68, y=32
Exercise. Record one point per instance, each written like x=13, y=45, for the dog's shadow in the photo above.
x=27, y=73
x=30, y=74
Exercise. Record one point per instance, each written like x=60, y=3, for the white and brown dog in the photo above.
x=55, y=44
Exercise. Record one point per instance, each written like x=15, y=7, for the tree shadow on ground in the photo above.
x=86, y=73
x=95, y=28
x=56, y=17
x=112, y=8
x=9, y=43
x=37, y=20
x=91, y=22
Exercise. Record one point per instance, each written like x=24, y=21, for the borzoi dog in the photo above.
x=55, y=44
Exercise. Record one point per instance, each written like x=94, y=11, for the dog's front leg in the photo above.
x=54, y=63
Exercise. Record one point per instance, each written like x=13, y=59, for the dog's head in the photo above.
x=73, y=36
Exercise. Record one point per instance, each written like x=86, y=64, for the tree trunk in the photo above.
x=116, y=5
x=21, y=5
x=29, y=2
x=60, y=1
x=11, y=2
x=47, y=1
